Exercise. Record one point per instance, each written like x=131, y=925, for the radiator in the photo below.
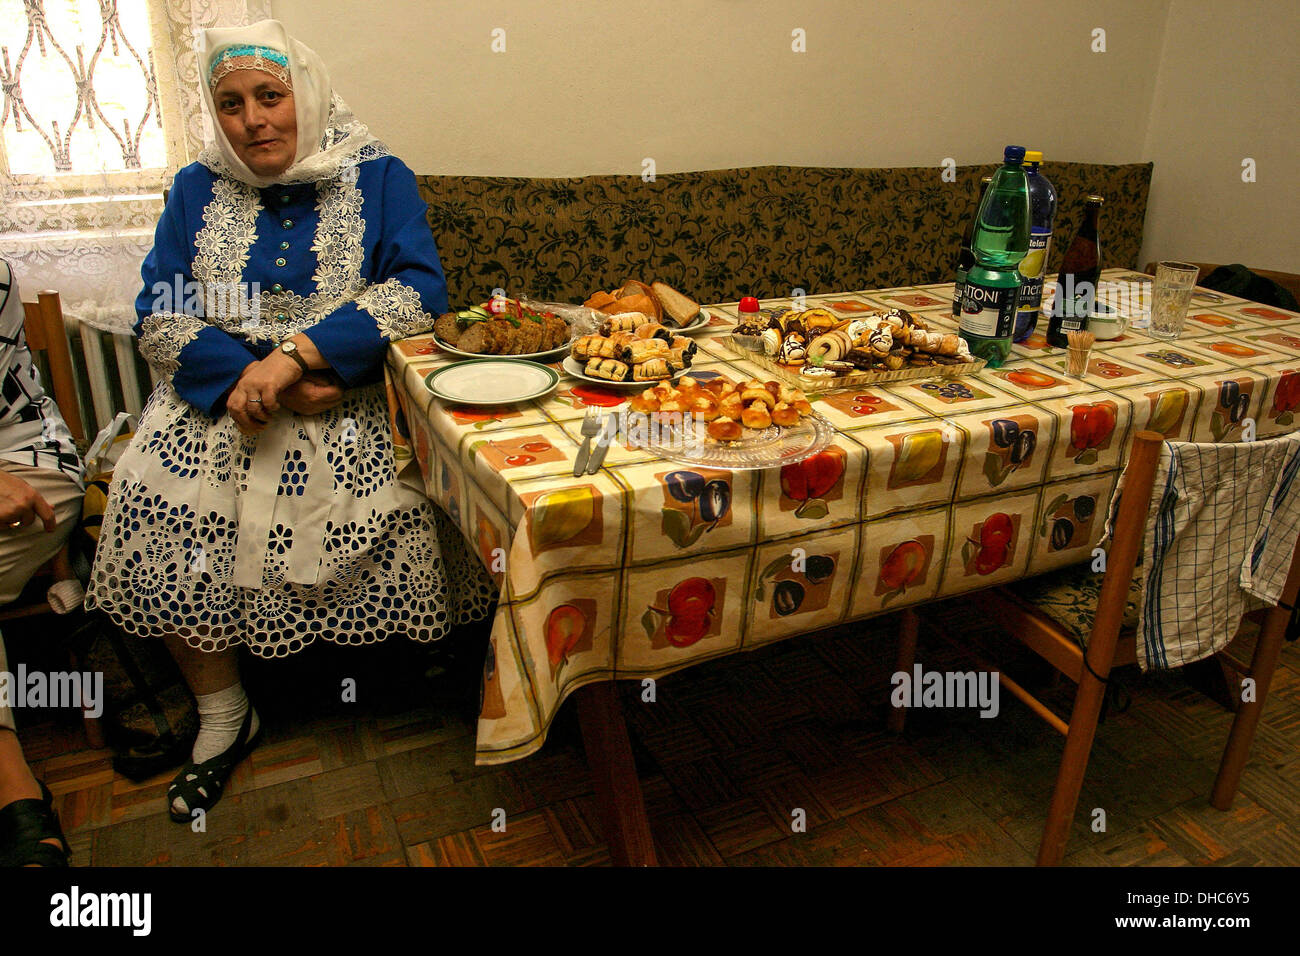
x=111, y=375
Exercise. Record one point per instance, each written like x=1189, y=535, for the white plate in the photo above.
x=492, y=381
x=548, y=356
x=578, y=370
x=759, y=448
x=697, y=324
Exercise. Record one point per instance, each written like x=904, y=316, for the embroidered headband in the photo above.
x=245, y=57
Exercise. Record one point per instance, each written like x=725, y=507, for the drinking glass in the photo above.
x=1174, y=285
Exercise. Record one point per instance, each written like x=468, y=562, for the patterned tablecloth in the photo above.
x=924, y=493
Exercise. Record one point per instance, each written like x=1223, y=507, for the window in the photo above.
x=82, y=106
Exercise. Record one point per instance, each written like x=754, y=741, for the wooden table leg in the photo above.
x=618, y=792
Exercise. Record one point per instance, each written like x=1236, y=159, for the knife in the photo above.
x=603, y=441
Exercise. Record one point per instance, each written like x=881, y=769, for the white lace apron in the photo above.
x=297, y=533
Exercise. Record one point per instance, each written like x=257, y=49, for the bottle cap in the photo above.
x=1033, y=156
x=1097, y=199
x=749, y=304
x=1014, y=154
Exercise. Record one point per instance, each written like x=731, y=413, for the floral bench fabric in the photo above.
x=763, y=231
x=1069, y=597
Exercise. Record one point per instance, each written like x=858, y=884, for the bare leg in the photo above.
x=16, y=780
x=206, y=672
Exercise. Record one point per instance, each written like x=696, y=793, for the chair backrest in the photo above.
x=1241, y=467
x=45, y=333
x=1126, y=535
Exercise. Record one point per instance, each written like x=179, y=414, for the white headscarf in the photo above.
x=329, y=136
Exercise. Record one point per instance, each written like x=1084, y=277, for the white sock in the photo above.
x=220, y=716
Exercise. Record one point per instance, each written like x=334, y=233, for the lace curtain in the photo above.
x=79, y=205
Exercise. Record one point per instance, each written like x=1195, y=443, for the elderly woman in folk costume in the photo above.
x=257, y=503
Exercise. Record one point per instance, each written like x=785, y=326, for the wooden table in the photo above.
x=898, y=511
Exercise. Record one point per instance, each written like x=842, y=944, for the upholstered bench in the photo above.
x=721, y=234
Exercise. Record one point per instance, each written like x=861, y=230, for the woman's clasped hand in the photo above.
x=278, y=382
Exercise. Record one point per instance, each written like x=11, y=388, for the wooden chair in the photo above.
x=1110, y=644
x=45, y=333
x=1288, y=280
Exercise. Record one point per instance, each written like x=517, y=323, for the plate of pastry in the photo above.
x=630, y=349
x=503, y=326
x=724, y=424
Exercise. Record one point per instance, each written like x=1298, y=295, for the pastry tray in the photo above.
x=825, y=383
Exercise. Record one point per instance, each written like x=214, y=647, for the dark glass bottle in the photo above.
x=1076, y=284
x=966, y=258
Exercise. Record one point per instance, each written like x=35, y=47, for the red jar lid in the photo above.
x=749, y=304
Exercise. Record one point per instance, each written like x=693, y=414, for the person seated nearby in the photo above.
x=40, y=501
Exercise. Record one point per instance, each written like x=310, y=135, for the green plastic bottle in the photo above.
x=1001, y=240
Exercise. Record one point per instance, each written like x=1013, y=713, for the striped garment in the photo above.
x=1219, y=537
x=32, y=431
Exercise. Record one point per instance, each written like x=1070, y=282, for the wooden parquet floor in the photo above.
x=729, y=755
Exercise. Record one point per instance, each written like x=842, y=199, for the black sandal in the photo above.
x=24, y=824
x=210, y=776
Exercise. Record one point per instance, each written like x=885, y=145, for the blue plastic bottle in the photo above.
x=1033, y=268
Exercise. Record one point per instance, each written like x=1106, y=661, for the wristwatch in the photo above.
x=291, y=349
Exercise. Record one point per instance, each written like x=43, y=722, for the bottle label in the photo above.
x=988, y=311
x=1032, y=268
x=957, y=291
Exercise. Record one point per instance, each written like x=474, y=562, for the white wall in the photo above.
x=1227, y=89
x=595, y=87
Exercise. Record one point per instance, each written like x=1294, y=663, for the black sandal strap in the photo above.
x=211, y=774
x=23, y=825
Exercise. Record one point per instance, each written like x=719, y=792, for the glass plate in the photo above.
x=492, y=381
x=768, y=448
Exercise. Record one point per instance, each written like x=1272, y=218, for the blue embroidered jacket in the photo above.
x=349, y=261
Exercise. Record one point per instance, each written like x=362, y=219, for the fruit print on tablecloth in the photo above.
x=480, y=418
x=1164, y=409
x=696, y=501
x=1005, y=450
x=569, y=632
x=919, y=457
x=1288, y=341
x=518, y=451
x=686, y=613
x=1265, y=312
x=1029, y=379
x=808, y=486
x=696, y=511
x=569, y=517
x=1229, y=401
x=801, y=584
x=1280, y=412
x=682, y=609
x=1215, y=321
x=901, y=560
x=1071, y=521
x=990, y=541
x=565, y=629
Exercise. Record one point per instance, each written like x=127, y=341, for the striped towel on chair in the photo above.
x=1219, y=537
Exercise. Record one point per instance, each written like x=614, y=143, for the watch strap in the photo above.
x=294, y=354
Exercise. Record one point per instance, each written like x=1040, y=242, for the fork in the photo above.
x=590, y=429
